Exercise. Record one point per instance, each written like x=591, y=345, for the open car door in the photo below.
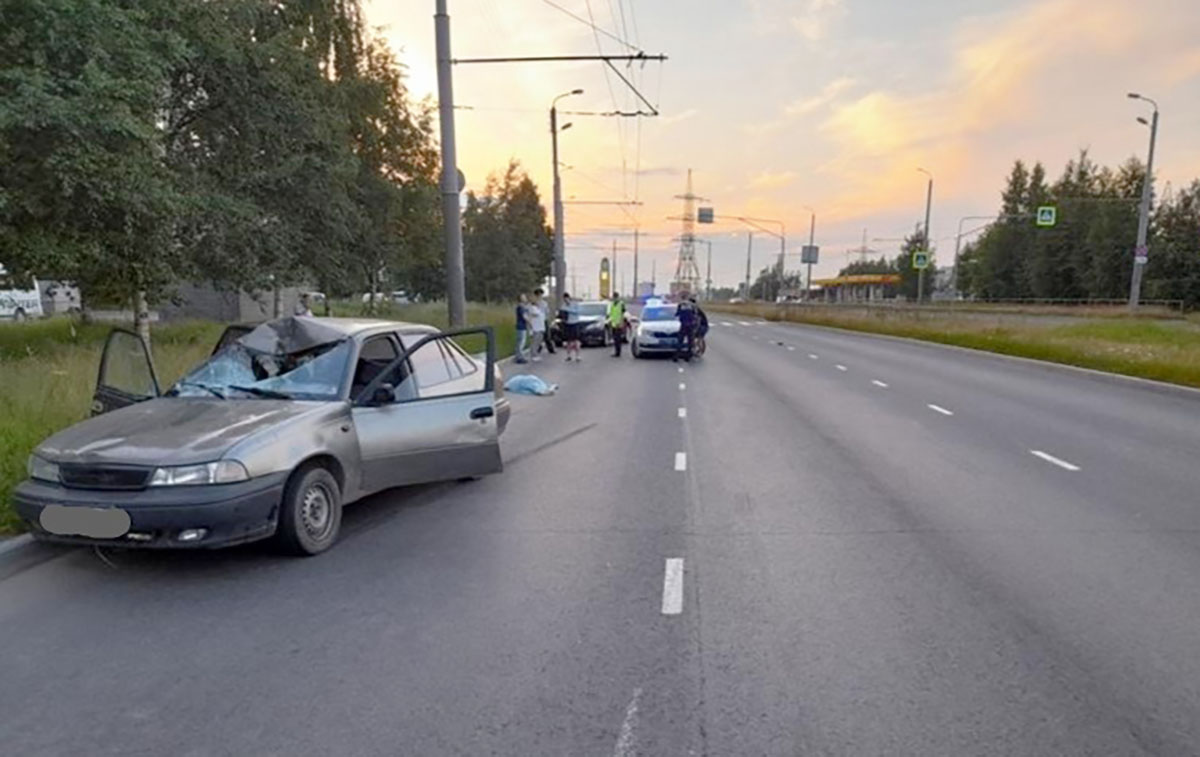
x=126, y=373
x=431, y=414
x=231, y=334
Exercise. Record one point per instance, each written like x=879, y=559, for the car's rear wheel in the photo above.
x=310, y=515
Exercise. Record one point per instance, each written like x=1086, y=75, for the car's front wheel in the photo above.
x=633, y=349
x=310, y=515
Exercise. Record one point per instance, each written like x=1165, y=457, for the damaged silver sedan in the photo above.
x=283, y=425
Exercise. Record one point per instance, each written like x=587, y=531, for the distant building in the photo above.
x=206, y=302
x=866, y=287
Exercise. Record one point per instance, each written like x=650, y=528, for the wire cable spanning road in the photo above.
x=809, y=542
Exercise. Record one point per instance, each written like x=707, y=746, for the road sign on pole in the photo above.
x=704, y=215
x=809, y=253
x=1047, y=215
x=1141, y=254
x=920, y=260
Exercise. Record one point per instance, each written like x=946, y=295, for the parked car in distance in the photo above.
x=593, y=325
x=18, y=303
x=270, y=436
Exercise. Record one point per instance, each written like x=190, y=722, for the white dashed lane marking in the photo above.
x=680, y=461
x=672, y=601
x=879, y=383
x=811, y=356
x=683, y=412
x=841, y=367
x=1054, y=460
x=940, y=409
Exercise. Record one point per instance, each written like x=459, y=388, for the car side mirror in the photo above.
x=384, y=394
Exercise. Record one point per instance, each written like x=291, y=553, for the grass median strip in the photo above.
x=1159, y=349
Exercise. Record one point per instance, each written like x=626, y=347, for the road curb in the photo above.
x=1114, y=378
x=22, y=552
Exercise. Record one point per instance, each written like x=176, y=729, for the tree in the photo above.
x=85, y=194
x=882, y=265
x=507, y=246
x=909, y=276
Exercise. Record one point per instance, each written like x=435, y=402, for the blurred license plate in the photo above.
x=93, y=522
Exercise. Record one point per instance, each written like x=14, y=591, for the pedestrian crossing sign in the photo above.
x=920, y=260
x=1047, y=215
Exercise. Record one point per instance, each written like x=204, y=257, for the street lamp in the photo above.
x=560, y=259
x=928, y=236
x=1141, y=251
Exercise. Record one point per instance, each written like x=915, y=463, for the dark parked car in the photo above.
x=593, y=325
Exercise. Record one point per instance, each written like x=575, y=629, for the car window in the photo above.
x=593, y=308
x=376, y=354
x=238, y=372
x=661, y=313
x=440, y=368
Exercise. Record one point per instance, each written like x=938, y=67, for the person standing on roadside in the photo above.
x=522, y=327
x=536, y=318
x=568, y=314
x=616, y=322
x=539, y=301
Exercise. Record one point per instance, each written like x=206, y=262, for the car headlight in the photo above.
x=42, y=469
x=220, y=472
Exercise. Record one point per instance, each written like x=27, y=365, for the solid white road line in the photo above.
x=682, y=386
x=672, y=603
x=841, y=367
x=879, y=383
x=939, y=409
x=680, y=461
x=1052, y=459
x=812, y=356
x=627, y=740
x=683, y=412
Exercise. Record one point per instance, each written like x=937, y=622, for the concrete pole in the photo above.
x=456, y=297
x=812, y=235
x=635, y=261
x=1135, y=283
x=708, y=274
x=560, y=257
x=928, y=237
x=749, y=247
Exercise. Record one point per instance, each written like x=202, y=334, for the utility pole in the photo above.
x=708, y=272
x=613, y=273
x=749, y=248
x=560, y=256
x=1141, y=253
x=635, y=261
x=456, y=295
x=928, y=236
x=812, y=234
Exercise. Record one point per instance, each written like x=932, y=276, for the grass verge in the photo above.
x=1159, y=350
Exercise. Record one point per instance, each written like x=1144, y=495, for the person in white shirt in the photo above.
x=537, y=326
x=539, y=299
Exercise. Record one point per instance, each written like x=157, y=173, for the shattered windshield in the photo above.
x=239, y=372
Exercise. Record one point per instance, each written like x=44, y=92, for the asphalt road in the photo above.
x=808, y=542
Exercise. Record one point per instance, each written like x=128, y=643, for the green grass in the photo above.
x=1164, y=351
x=48, y=372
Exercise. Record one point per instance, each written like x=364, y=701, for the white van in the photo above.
x=18, y=304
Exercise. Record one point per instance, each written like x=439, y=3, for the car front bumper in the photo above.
x=657, y=344
x=230, y=513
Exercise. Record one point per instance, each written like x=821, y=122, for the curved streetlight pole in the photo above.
x=1141, y=252
x=560, y=258
x=928, y=236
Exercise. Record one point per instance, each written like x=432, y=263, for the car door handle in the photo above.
x=483, y=412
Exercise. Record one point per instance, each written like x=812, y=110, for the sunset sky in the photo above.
x=780, y=104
